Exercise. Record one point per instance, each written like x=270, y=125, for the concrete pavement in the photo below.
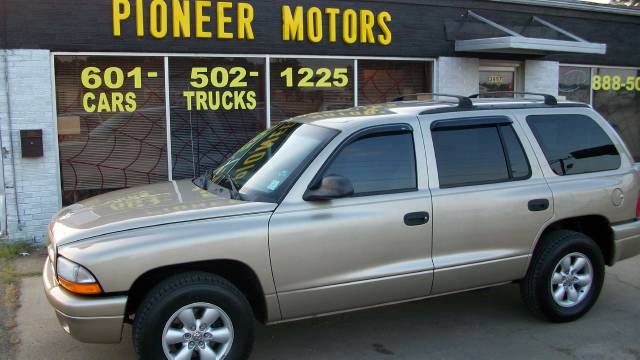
x=486, y=324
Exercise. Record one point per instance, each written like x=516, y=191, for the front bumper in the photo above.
x=87, y=319
x=626, y=240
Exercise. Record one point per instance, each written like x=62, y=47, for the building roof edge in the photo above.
x=575, y=6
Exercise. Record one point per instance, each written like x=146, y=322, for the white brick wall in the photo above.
x=29, y=91
x=541, y=76
x=458, y=76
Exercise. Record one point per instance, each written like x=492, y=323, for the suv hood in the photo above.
x=149, y=205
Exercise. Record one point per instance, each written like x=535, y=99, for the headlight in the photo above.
x=75, y=278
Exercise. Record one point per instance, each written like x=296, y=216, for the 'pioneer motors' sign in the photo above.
x=225, y=20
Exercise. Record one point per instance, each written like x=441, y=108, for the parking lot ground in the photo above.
x=5, y=346
x=486, y=324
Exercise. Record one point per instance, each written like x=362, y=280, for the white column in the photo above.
x=27, y=94
x=541, y=76
x=458, y=76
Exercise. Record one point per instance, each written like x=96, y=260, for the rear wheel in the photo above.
x=194, y=316
x=565, y=276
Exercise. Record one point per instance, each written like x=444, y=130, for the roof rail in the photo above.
x=548, y=99
x=463, y=101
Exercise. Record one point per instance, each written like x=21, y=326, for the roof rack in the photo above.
x=463, y=101
x=548, y=99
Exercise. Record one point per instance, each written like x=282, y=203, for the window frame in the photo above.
x=496, y=122
x=378, y=130
x=542, y=146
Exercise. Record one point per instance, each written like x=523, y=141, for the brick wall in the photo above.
x=26, y=103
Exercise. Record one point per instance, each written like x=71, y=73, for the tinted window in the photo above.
x=469, y=156
x=517, y=159
x=574, y=144
x=378, y=163
x=476, y=155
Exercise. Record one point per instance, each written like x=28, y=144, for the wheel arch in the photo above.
x=597, y=227
x=236, y=272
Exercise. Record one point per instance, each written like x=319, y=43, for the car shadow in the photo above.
x=409, y=330
x=486, y=324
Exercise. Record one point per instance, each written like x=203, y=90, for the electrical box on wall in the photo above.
x=31, y=143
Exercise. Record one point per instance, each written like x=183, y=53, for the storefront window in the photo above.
x=575, y=83
x=616, y=96
x=613, y=92
x=382, y=81
x=496, y=81
x=111, y=123
x=303, y=86
x=112, y=111
x=217, y=105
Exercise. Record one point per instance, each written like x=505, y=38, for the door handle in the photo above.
x=538, y=205
x=416, y=218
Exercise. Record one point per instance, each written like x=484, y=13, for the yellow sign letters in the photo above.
x=226, y=20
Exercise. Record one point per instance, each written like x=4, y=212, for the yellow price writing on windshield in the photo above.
x=615, y=83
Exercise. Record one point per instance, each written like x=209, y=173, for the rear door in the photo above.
x=490, y=199
x=360, y=250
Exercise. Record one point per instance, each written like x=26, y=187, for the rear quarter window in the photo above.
x=574, y=144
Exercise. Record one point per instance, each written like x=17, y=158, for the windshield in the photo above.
x=264, y=168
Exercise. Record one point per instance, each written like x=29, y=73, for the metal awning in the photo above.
x=517, y=43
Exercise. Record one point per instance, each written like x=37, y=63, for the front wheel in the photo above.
x=565, y=276
x=194, y=316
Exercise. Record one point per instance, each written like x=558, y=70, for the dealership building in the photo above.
x=102, y=95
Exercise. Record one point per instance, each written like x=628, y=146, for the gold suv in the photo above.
x=344, y=210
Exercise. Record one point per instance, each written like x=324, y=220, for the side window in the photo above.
x=474, y=155
x=517, y=158
x=378, y=163
x=574, y=144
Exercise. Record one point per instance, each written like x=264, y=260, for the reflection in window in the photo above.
x=575, y=83
x=303, y=86
x=378, y=163
x=110, y=137
x=574, y=144
x=383, y=81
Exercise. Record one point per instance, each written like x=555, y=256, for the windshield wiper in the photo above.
x=205, y=181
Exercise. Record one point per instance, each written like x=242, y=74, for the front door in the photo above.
x=360, y=250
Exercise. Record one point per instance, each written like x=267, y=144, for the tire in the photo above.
x=545, y=277
x=207, y=297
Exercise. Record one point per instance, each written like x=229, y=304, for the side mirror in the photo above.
x=331, y=187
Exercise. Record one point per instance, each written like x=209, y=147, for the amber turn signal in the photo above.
x=82, y=289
